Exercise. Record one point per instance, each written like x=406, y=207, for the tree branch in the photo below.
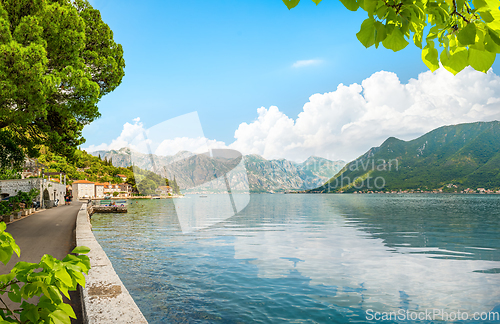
x=7, y=308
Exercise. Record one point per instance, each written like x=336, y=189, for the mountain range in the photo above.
x=449, y=158
x=191, y=170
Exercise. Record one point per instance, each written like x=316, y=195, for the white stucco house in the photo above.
x=83, y=189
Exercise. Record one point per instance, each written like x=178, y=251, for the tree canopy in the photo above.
x=467, y=30
x=57, y=60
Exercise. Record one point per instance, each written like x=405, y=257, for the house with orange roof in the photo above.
x=164, y=190
x=83, y=189
x=99, y=190
x=125, y=189
x=122, y=176
x=110, y=189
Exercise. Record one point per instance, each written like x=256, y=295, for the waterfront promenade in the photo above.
x=50, y=231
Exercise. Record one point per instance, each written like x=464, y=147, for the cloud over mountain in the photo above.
x=344, y=123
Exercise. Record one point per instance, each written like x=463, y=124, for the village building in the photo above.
x=163, y=190
x=82, y=189
x=125, y=189
x=99, y=190
x=122, y=176
x=110, y=189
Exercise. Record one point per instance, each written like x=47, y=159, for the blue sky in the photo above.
x=226, y=59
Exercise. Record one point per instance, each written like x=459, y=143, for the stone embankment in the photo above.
x=106, y=209
x=104, y=298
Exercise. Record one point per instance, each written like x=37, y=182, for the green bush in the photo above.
x=5, y=209
x=49, y=279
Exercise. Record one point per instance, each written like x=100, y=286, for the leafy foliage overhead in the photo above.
x=467, y=30
x=57, y=60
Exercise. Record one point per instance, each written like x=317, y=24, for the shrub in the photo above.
x=49, y=279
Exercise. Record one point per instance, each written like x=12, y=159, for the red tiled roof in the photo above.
x=83, y=181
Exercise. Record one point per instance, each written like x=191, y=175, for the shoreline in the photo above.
x=104, y=299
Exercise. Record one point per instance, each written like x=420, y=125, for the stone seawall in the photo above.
x=104, y=298
x=106, y=209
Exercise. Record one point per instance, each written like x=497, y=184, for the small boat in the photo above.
x=155, y=197
x=203, y=196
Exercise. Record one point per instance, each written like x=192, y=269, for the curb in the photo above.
x=104, y=298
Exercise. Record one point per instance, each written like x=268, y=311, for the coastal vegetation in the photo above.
x=57, y=60
x=83, y=166
x=468, y=31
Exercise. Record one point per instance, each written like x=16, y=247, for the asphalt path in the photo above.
x=50, y=231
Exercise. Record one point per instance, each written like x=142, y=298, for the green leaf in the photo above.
x=366, y=34
x=68, y=310
x=64, y=290
x=494, y=36
x=33, y=315
x=490, y=45
x=380, y=33
x=395, y=41
x=381, y=12
x=80, y=279
x=15, y=297
x=64, y=277
x=316, y=1
x=478, y=4
x=291, y=3
x=60, y=317
x=16, y=248
x=457, y=61
x=48, y=260
x=481, y=60
x=81, y=250
x=350, y=4
x=467, y=36
x=417, y=39
x=4, y=255
x=370, y=6
x=460, y=4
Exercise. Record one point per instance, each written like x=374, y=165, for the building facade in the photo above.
x=99, y=190
x=83, y=189
x=56, y=190
x=125, y=189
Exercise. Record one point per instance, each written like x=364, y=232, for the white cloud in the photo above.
x=132, y=136
x=303, y=63
x=345, y=123
x=128, y=134
x=194, y=145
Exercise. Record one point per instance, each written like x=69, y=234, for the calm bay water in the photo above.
x=309, y=258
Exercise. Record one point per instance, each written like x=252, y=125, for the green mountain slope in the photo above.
x=450, y=157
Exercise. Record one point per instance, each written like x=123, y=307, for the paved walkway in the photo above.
x=51, y=231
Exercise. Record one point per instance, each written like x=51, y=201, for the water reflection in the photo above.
x=310, y=258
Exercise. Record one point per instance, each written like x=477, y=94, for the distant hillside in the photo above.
x=451, y=158
x=263, y=175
